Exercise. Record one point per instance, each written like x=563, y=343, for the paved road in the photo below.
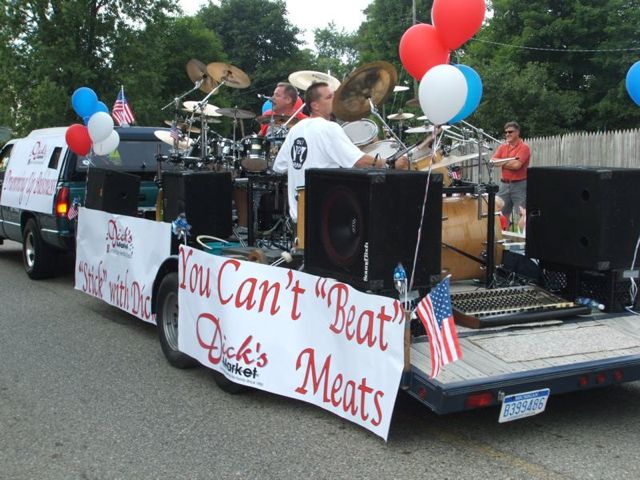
x=85, y=393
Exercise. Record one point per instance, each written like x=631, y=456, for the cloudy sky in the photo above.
x=305, y=15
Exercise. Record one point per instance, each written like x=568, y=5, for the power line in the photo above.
x=564, y=50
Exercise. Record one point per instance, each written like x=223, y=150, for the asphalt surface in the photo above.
x=85, y=393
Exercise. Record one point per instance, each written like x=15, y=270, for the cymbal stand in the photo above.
x=201, y=105
x=374, y=111
x=481, y=144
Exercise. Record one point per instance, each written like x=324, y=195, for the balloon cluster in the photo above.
x=98, y=132
x=633, y=82
x=447, y=93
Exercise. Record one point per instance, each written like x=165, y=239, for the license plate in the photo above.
x=520, y=405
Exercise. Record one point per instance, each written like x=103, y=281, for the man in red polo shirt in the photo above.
x=513, y=179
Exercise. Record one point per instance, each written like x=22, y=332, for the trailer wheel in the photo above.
x=38, y=257
x=167, y=321
x=227, y=385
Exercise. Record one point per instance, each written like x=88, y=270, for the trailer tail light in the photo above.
x=600, y=378
x=479, y=400
x=422, y=393
x=62, y=202
x=583, y=381
x=618, y=376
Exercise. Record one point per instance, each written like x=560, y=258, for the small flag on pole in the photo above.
x=121, y=111
x=73, y=209
x=174, y=132
x=436, y=315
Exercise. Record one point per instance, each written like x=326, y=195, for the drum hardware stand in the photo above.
x=374, y=111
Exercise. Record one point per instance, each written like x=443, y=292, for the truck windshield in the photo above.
x=130, y=156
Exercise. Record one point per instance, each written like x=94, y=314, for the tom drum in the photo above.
x=385, y=148
x=361, y=132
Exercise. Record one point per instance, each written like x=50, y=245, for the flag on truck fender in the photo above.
x=436, y=315
x=121, y=111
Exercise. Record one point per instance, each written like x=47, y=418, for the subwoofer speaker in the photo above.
x=360, y=223
x=112, y=191
x=204, y=198
x=585, y=217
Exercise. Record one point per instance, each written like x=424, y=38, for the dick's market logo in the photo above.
x=119, y=239
x=38, y=153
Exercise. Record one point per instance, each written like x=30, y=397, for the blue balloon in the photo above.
x=474, y=93
x=101, y=107
x=84, y=102
x=633, y=82
x=267, y=106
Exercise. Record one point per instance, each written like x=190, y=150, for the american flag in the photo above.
x=73, y=210
x=121, y=111
x=436, y=315
x=174, y=132
x=456, y=173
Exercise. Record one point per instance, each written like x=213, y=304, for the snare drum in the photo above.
x=255, y=154
x=385, y=148
x=462, y=230
x=361, y=132
x=300, y=226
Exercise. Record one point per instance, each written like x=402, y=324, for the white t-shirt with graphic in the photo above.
x=313, y=143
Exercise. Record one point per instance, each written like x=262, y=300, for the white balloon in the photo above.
x=107, y=146
x=100, y=126
x=442, y=93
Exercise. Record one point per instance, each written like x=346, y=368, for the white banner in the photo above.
x=29, y=182
x=293, y=334
x=117, y=258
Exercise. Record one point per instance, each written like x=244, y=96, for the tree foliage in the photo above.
x=337, y=50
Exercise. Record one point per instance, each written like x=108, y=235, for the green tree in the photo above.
x=337, y=51
x=557, y=66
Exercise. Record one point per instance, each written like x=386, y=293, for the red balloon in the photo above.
x=457, y=20
x=420, y=49
x=78, y=139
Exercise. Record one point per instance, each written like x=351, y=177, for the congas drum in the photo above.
x=240, y=200
x=254, y=154
x=462, y=230
x=361, y=132
x=385, y=148
x=300, y=226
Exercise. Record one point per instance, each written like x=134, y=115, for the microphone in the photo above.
x=264, y=97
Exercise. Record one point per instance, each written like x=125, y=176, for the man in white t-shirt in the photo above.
x=317, y=142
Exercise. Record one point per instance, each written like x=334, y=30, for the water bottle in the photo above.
x=589, y=302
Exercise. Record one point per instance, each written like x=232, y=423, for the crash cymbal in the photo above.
x=183, y=126
x=277, y=119
x=371, y=81
x=231, y=76
x=236, y=113
x=414, y=102
x=400, y=88
x=208, y=110
x=304, y=78
x=198, y=71
x=400, y=116
x=165, y=136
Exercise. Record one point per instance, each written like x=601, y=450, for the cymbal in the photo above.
x=194, y=107
x=183, y=126
x=230, y=75
x=277, y=119
x=165, y=136
x=371, y=81
x=207, y=120
x=419, y=130
x=422, y=118
x=304, y=78
x=400, y=88
x=236, y=113
x=400, y=116
x=414, y=102
x=198, y=71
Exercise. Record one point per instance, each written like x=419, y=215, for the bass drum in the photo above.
x=385, y=148
x=361, y=132
x=462, y=230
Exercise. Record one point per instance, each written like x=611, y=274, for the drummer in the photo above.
x=285, y=101
x=320, y=143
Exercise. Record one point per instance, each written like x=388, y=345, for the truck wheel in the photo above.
x=227, y=385
x=167, y=321
x=38, y=257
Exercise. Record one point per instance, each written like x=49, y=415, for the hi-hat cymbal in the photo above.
x=400, y=88
x=185, y=127
x=304, y=78
x=165, y=136
x=371, y=81
x=236, y=113
x=400, y=116
x=208, y=110
x=277, y=119
x=230, y=75
x=198, y=71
